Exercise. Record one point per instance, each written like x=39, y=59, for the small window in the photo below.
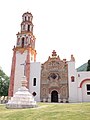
x=88, y=86
x=78, y=75
x=28, y=18
x=25, y=18
x=34, y=93
x=72, y=78
x=88, y=93
x=88, y=89
x=34, y=82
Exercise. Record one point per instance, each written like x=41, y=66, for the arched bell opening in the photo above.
x=22, y=42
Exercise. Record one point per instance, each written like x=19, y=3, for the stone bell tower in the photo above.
x=23, y=54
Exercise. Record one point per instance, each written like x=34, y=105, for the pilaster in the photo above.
x=11, y=86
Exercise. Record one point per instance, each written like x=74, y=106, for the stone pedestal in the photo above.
x=22, y=98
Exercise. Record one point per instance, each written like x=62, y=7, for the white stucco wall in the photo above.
x=76, y=93
x=72, y=85
x=82, y=92
x=35, y=72
x=19, y=69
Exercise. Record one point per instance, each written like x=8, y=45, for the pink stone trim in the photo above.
x=83, y=82
x=11, y=86
x=28, y=69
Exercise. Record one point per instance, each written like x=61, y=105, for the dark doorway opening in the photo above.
x=54, y=96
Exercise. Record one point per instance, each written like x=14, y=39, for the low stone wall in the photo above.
x=4, y=99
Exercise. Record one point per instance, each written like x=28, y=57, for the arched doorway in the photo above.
x=54, y=96
x=22, y=42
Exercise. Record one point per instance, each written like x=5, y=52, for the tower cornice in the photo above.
x=22, y=50
x=27, y=22
x=27, y=13
x=25, y=33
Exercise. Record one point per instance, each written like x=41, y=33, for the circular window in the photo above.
x=34, y=93
x=54, y=76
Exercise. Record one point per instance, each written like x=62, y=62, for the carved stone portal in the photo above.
x=54, y=79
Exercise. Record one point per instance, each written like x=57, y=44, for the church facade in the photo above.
x=56, y=80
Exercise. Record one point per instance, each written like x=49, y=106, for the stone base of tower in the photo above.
x=21, y=99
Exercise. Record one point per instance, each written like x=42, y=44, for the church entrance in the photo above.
x=54, y=96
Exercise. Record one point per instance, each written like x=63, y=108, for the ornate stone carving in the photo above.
x=54, y=76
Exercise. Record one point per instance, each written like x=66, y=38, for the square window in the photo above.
x=88, y=93
x=78, y=75
x=88, y=86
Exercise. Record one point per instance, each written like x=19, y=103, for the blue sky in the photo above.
x=63, y=25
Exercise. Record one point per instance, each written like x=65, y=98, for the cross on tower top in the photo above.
x=54, y=53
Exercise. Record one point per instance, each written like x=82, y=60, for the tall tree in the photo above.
x=4, y=83
x=88, y=66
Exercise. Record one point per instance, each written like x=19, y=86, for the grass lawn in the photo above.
x=48, y=111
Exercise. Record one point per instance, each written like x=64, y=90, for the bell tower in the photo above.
x=23, y=54
x=26, y=39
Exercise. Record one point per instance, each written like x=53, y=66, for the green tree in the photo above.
x=4, y=83
x=88, y=66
